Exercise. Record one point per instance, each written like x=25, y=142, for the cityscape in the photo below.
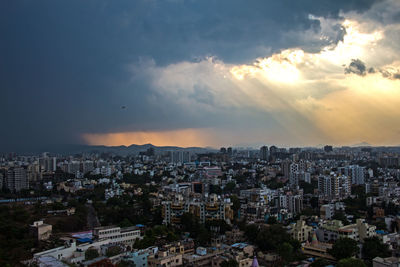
x=200, y=133
x=229, y=207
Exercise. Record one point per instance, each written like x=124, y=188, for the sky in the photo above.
x=199, y=72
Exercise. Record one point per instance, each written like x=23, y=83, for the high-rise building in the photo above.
x=34, y=172
x=357, y=174
x=293, y=203
x=328, y=186
x=73, y=167
x=176, y=156
x=264, y=153
x=48, y=163
x=186, y=156
x=180, y=156
x=389, y=161
x=285, y=167
x=272, y=151
x=229, y=151
x=328, y=148
x=294, y=175
x=87, y=166
x=17, y=179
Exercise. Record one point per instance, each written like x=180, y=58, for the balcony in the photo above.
x=177, y=207
x=211, y=208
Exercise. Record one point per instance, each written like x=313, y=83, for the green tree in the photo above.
x=251, y=231
x=341, y=217
x=319, y=263
x=229, y=263
x=114, y=250
x=91, y=254
x=285, y=250
x=215, y=189
x=344, y=248
x=308, y=187
x=125, y=223
x=350, y=262
x=269, y=238
x=373, y=247
x=272, y=220
x=229, y=187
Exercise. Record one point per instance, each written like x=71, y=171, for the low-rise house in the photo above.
x=317, y=248
x=386, y=262
x=40, y=230
x=234, y=236
x=165, y=258
x=333, y=230
x=138, y=258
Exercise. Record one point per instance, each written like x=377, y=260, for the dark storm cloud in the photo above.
x=390, y=75
x=63, y=63
x=357, y=67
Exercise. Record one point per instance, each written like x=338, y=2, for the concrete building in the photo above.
x=386, y=262
x=301, y=231
x=292, y=203
x=264, y=153
x=328, y=186
x=48, y=163
x=118, y=235
x=165, y=258
x=333, y=230
x=40, y=230
x=103, y=236
x=357, y=174
x=317, y=248
x=17, y=179
x=138, y=258
x=327, y=211
x=294, y=175
x=285, y=167
x=234, y=236
x=73, y=167
x=211, y=209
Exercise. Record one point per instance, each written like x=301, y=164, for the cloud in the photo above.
x=303, y=96
x=357, y=67
x=257, y=71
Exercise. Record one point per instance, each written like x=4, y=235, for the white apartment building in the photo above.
x=72, y=253
x=117, y=235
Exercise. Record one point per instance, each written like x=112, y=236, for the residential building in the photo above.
x=165, y=258
x=17, y=179
x=264, y=153
x=117, y=235
x=40, y=230
x=301, y=231
x=386, y=262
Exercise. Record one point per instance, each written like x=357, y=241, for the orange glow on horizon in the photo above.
x=183, y=138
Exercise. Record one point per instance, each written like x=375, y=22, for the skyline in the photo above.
x=190, y=73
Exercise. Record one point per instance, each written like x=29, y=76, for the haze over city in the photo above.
x=199, y=73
